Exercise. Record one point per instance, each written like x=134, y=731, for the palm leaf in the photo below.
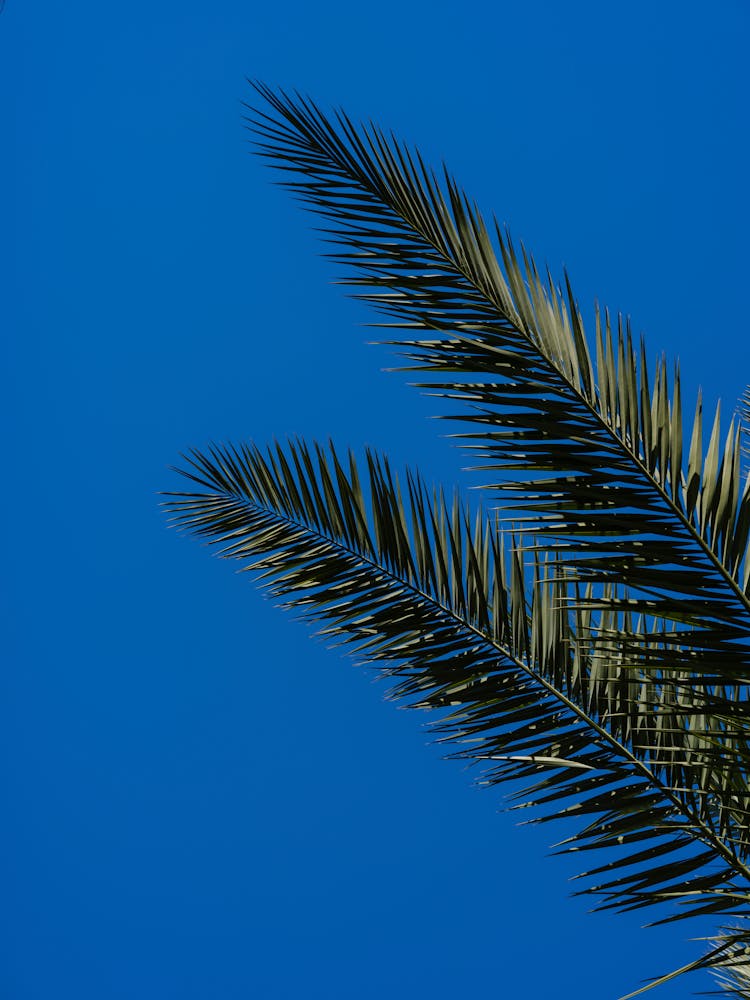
x=422, y=589
x=590, y=446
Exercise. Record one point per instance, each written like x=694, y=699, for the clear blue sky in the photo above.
x=198, y=799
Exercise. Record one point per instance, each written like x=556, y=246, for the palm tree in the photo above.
x=591, y=634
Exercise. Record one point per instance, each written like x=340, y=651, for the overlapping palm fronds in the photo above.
x=607, y=658
x=594, y=445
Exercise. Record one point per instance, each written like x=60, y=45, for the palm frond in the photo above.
x=423, y=589
x=590, y=446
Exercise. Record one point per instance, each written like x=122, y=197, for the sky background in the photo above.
x=199, y=800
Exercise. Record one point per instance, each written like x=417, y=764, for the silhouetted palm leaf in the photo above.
x=426, y=592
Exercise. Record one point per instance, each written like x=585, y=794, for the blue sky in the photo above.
x=200, y=799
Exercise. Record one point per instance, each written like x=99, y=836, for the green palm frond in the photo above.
x=590, y=445
x=422, y=589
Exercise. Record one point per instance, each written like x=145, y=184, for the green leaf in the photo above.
x=417, y=586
